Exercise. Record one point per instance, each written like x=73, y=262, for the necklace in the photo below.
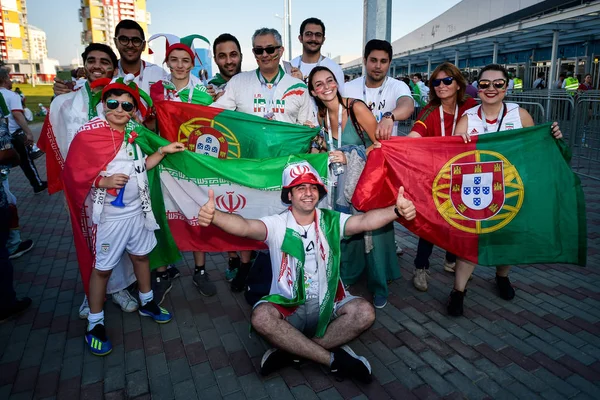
x=372, y=106
x=339, y=131
x=306, y=230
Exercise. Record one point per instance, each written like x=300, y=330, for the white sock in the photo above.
x=95, y=319
x=145, y=298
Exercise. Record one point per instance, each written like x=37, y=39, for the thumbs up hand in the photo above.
x=206, y=214
x=405, y=207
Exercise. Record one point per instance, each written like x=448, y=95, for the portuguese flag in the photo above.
x=248, y=187
x=230, y=134
x=504, y=198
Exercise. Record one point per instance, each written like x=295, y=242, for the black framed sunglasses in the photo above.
x=125, y=40
x=446, y=81
x=113, y=104
x=486, y=83
x=270, y=50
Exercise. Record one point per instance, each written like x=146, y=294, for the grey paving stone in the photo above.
x=415, y=328
x=277, y=389
x=380, y=371
x=436, y=381
x=382, y=352
x=490, y=387
x=14, y=352
x=541, y=333
x=409, y=358
x=573, y=340
x=466, y=367
x=518, y=344
x=169, y=331
x=239, y=395
x=231, y=342
x=513, y=329
x=466, y=387
x=179, y=370
x=114, y=378
x=591, y=350
x=407, y=377
x=415, y=315
x=526, y=378
x=395, y=314
x=51, y=362
x=557, y=384
x=19, y=333
x=203, y=322
x=303, y=392
x=390, y=324
x=223, y=325
x=552, y=300
x=185, y=390
x=135, y=360
x=550, y=350
x=72, y=367
x=32, y=356
x=490, y=339
x=330, y=394
x=161, y=389
x=157, y=365
x=436, y=362
x=92, y=372
x=464, y=336
x=227, y=380
x=253, y=387
x=584, y=385
x=211, y=393
x=442, y=320
x=575, y=353
x=438, y=331
x=521, y=391
x=252, y=344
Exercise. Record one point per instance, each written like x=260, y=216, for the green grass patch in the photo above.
x=35, y=95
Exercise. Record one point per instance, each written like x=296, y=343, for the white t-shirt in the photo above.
x=511, y=120
x=325, y=62
x=381, y=99
x=424, y=90
x=123, y=164
x=276, y=226
x=289, y=99
x=14, y=104
x=148, y=75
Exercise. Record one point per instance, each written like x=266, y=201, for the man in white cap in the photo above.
x=308, y=314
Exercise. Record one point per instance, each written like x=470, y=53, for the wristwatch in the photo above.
x=390, y=115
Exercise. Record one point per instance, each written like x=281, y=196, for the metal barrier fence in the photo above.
x=578, y=115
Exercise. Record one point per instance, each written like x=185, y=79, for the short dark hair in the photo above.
x=312, y=20
x=376, y=44
x=129, y=24
x=103, y=48
x=494, y=67
x=418, y=75
x=118, y=92
x=541, y=74
x=225, y=37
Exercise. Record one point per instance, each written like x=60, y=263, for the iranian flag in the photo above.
x=504, y=198
x=248, y=187
x=230, y=134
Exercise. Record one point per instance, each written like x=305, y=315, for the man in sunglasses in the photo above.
x=389, y=99
x=312, y=37
x=131, y=43
x=268, y=91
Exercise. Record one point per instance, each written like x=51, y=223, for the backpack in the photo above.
x=258, y=282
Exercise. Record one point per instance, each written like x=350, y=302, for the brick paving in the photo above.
x=543, y=344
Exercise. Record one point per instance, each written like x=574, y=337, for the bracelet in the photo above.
x=97, y=181
x=397, y=212
x=160, y=151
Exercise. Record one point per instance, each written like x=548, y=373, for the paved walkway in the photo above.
x=543, y=344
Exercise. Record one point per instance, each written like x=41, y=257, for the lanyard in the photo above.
x=500, y=117
x=339, y=132
x=378, y=93
x=442, y=120
x=270, y=89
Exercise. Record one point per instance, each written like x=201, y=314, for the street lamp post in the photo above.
x=289, y=30
x=283, y=30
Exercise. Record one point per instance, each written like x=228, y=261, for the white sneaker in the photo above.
x=449, y=266
x=84, y=308
x=125, y=301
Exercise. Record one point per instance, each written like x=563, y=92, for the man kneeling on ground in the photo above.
x=308, y=314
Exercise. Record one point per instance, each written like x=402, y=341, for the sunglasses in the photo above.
x=270, y=50
x=125, y=40
x=446, y=81
x=498, y=83
x=113, y=104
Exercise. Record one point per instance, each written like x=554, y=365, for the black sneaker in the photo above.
x=455, y=303
x=275, y=359
x=173, y=273
x=16, y=309
x=204, y=285
x=23, y=248
x=347, y=364
x=40, y=188
x=160, y=287
x=238, y=284
x=36, y=154
x=505, y=289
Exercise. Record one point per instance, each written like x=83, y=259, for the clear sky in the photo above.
x=343, y=21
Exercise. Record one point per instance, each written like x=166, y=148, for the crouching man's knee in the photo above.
x=263, y=317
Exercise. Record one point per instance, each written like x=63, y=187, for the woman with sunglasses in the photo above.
x=181, y=86
x=447, y=103
x=493, y=115
x=349, y=133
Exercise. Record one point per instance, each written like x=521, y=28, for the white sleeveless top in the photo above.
x=512, y=120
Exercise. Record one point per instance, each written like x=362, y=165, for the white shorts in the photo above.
x=113, y=238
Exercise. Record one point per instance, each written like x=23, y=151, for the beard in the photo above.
x=310, y=51
x=226, y=74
